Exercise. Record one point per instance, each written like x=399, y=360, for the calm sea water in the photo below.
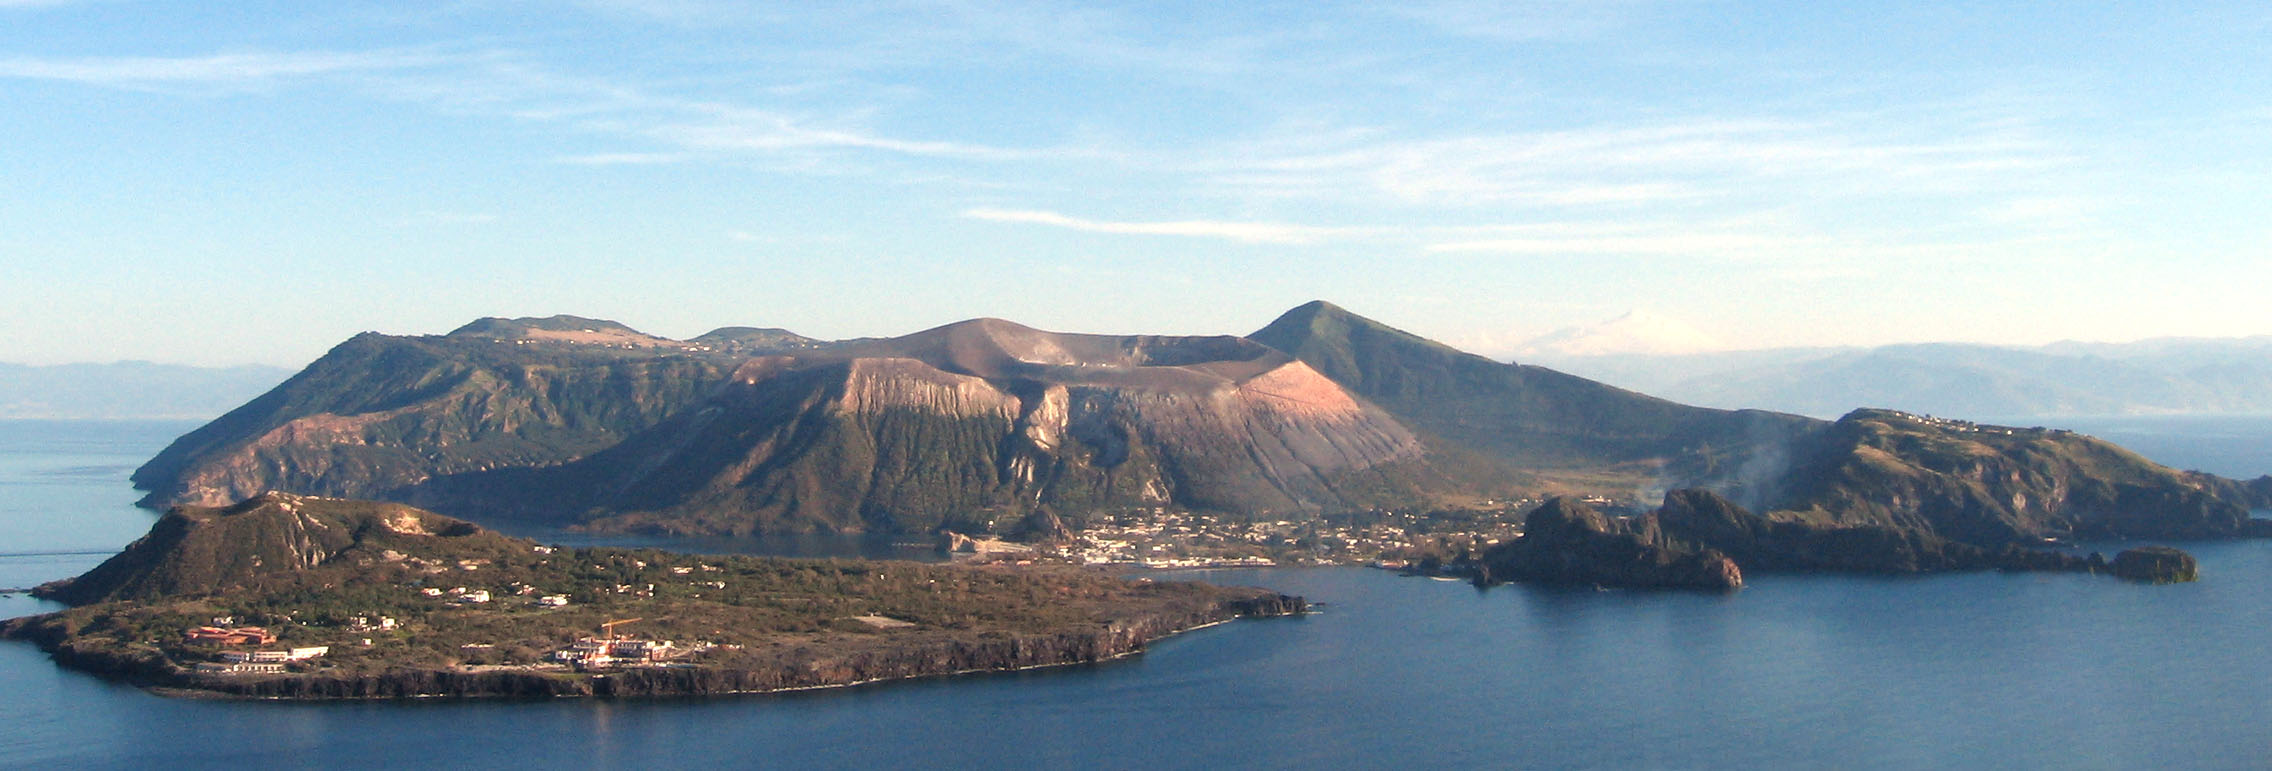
x=2238, y=446
x=1961, y=670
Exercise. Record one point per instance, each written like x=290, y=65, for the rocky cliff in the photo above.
x=1784, y=542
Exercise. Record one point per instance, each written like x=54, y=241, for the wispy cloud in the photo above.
x=1620, y=164
x=835, y=120
x=727, y=128
x=626, y=159
x=1789, y=250
x=211, y=70
x=512, y=85
x=1243, y=232
x=456, y=218
x=1526, y=21
x=667, y=127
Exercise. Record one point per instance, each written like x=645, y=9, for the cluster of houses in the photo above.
x=221, y=635
x=266, y=662
x=252, y=662
x=595, y=653
x=463, y=596
x=369, y=624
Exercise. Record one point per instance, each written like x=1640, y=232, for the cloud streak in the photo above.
x=1616, y=165
x=211, y=70
x=1690, y=173
x=1242, y=232
x=744, y=129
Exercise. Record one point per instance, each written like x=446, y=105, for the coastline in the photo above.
x=940, y=656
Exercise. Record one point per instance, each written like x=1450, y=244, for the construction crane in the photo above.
x=607, y=630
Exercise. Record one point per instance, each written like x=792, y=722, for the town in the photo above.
x=454, y=607
x=1166, y=539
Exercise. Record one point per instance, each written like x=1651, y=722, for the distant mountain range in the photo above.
x=129, y=389
x=2163, y=376
x=990, y=426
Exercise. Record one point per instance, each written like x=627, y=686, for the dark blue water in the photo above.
x=2238, y=446
x=1963, y=670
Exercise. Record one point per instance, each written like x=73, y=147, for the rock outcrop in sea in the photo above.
x=2157, y=565
x=1569, y=543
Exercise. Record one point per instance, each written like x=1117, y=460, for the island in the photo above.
x=285, y=596
x=1325, y=436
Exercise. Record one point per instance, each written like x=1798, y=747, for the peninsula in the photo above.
x=296, y=597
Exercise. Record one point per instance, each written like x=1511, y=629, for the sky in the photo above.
x=253, y=184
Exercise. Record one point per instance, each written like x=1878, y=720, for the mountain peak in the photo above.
x=1317, y=308
x=1324, y=317
x=1321, y=330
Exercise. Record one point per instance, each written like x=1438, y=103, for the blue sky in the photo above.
x=184, y=184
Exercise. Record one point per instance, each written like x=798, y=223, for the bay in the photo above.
x=1957, y=670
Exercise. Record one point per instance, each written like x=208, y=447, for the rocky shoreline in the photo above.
x=785, y=668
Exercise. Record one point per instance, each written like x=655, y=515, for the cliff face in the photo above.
x=1570, y=543
x=967, y=438
x=1760, y=544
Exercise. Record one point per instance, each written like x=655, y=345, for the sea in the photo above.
x=1964, y=670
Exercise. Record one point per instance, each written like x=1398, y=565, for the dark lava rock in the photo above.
x=1757, y=543
x=1566, y=542
x=2158, y=564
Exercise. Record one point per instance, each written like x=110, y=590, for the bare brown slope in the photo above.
x=1533, y=417
x=983, y=424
